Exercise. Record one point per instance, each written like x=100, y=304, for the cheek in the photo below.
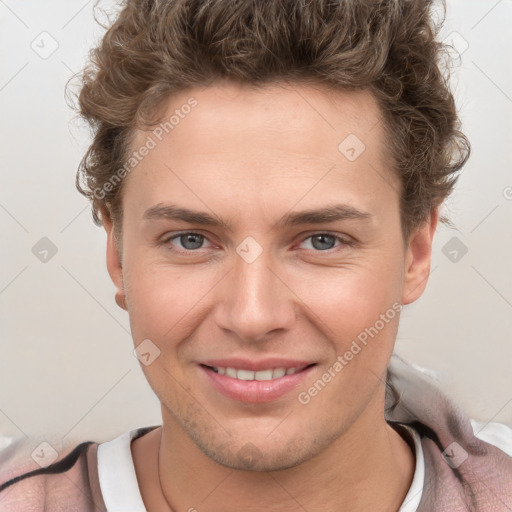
x=349, y=299
x=358, y=315
x=163, y=303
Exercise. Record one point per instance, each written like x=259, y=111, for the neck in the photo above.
x=370, y=467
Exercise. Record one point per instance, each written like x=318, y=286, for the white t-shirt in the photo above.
x=121, y=492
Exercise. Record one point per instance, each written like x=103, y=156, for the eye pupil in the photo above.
x=195, y=239
x=322, y=238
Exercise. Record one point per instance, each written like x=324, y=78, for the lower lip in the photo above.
x=255, y=391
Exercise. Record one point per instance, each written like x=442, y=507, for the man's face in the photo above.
x=260, y=293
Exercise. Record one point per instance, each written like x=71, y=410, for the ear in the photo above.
x=114, y=264
x=418, y=258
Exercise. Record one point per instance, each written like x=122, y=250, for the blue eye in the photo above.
x=324, y=241
x=189, y=241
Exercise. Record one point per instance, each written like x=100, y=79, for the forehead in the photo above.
x=309, y=119
x=277, y=135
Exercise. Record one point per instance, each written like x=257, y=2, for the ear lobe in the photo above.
x=114, y=265
x=418, y=258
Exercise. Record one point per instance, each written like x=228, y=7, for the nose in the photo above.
x=255, y=300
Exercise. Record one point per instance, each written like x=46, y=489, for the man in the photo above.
x=269, y=176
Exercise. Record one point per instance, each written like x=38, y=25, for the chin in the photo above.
x=251, y=458
x=261, y=454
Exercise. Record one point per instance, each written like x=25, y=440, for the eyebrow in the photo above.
x=324, y=215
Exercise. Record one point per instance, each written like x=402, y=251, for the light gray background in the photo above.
x=66, y=361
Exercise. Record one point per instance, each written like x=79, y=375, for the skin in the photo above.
x=250, y=156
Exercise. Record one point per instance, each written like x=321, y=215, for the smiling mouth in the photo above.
x=261, y=375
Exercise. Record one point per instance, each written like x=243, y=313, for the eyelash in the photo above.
x=167, y=240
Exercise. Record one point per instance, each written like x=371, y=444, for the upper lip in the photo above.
x=252, y=365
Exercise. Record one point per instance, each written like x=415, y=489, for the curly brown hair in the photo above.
x=155, y=48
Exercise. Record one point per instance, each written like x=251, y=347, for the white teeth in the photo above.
x=231, y=372
x=263, y=375
x=270, y=374
x=244, y=375
x=278, y=372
